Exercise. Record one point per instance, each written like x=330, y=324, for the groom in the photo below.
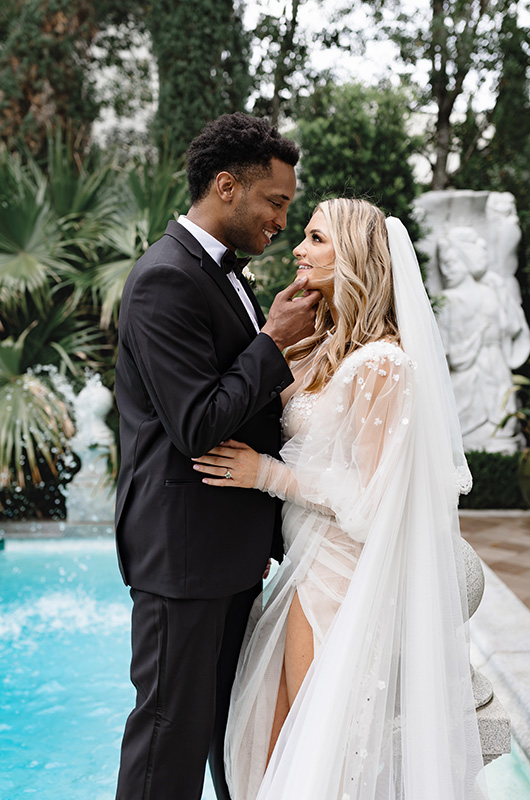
x=198, y=364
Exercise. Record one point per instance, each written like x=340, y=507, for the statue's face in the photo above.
x=452, y=265
x=461, y=254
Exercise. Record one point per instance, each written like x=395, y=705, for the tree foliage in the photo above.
x=494, y=145
x=202, y=55
x=500, y=160
x=284, y=53
x=460, y=40
x=48, y=65
x=43, y=76
x=354, y=141
x=284, y=68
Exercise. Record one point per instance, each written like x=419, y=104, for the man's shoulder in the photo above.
x=178, y=233
x=170, y=256
x=176, y=247
x=170, y=264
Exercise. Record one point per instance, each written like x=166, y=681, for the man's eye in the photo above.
x=275, y=204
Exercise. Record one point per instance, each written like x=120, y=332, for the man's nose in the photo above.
x=280, y=219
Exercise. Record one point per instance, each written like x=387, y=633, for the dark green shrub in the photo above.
x=495, y=481
x=44, y=500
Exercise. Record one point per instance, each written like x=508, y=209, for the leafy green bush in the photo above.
x=45, y=499
x=495, y=481
x=355, y=142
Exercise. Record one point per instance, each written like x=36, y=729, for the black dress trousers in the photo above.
x=184, y=658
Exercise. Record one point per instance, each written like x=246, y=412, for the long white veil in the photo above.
x=386, y=711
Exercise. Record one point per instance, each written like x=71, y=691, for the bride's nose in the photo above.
x=297, y=252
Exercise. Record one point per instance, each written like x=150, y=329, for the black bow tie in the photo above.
x=231, y=263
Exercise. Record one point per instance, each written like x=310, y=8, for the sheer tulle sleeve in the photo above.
x=355, y=433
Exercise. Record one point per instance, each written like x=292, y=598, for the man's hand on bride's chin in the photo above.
x=231, y=464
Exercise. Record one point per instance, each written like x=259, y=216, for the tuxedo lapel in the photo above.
x=182, y=235
x=252, y=297
x=215, y=272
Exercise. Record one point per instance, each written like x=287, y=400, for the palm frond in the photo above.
x=127, y=238
x=33, y=420
x=521, y=412
x=82, y=194
x=61, y=339
x=110, y=280
x=33, y=250
x=12, y=356
x=76, y=188
x=160, y=192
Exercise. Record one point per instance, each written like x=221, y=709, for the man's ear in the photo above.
x=226, y=186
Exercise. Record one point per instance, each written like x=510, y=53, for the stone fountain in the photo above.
x=90, y=501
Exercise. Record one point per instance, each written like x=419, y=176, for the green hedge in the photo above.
x=46, y=500
x=495, y=481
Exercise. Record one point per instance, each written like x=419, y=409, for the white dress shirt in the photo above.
x=216, y=250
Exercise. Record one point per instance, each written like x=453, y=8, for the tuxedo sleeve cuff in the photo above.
x=280, y=373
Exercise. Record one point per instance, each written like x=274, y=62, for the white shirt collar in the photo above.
x=213, y=247
x=216, y=250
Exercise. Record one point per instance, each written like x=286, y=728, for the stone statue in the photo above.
x=483, y=324
x=485, y=336
x=88, y=499
x=504, y=235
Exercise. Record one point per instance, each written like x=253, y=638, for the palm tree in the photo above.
x=34, y=254
x=36, y=416
x=34, y=420
x=151, y=194
x=48, y=226
x=69, y=236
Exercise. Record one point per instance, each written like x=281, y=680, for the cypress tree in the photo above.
x=43, y=80
x=202, y=54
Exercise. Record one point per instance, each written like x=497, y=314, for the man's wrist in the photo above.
x=280, y=344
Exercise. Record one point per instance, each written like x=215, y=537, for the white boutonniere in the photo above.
x=249, y=276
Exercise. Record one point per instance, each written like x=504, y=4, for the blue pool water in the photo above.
x=64, y=670
x=64, y=687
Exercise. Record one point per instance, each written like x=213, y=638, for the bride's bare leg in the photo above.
x=299, y=654
x=282, y=709
x=299, y=649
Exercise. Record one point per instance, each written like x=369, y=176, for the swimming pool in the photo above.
x=64, y=666
x=64, y=687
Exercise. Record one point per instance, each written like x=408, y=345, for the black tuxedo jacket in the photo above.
x=191, y=372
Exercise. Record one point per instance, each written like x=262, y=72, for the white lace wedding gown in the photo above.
x=386, y=711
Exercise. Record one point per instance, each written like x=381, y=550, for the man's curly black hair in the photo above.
x=239, y=144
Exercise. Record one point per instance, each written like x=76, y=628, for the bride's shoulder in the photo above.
x=374, y=355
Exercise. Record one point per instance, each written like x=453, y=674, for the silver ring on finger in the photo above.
x=228, y=475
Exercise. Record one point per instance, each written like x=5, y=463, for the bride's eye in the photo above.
x=316, y=237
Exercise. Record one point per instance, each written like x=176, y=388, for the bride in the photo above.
x=353, y=681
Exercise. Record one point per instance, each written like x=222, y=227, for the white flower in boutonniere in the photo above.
x=249, y=276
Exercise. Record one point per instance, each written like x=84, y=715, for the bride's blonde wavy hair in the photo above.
x=363, y=294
